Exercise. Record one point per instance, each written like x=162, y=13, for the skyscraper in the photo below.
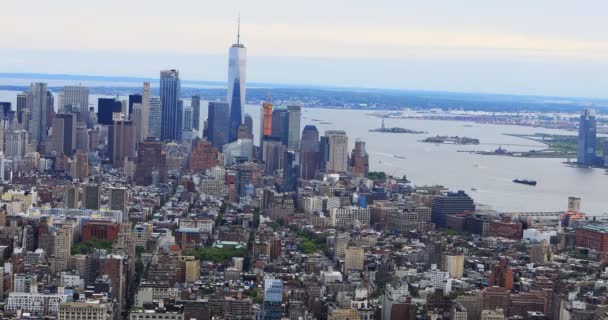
x=91, y=196
x=133, y=99
x=180, y=120
x=123, y=142
x=338, y=151
x=291, y=171
x=293, y=134
x=80, y=167
x=78, y=98
x=196, y=112
x=188, y=119
x=64, y=133
x=154, y=118
x=203, y=156
x=217, y=131
x=265, y=122
x=235, y=111
x=237, y=64
x=138, y=122
x=106, y=107
x=587, y=139
x=451, y=203
x=118, y=200
x=359, y=160
x=280, y=124
x=38, y=105
x=145, y=112
x=151, y=158
x=169, y=96
x=323, y=152
x=21, y=105
x=273, y=153
x=273, y=299
x=248, y=122
x=309, y=152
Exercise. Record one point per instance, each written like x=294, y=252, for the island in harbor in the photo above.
x=451, y=140
x=384, y=129
x=396, y=130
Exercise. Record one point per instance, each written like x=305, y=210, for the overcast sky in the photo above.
x=548, y=47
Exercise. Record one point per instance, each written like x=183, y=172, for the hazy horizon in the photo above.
x=545, y=48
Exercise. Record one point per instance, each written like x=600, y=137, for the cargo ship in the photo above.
x=528, y=182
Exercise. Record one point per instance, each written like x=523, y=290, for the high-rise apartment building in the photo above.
x=217, y=123
x=359, y=160
x=118, y=200
x=340, y=244
x=72, y=197
x=169, y=99
x=453, y=264
x=91, y=196
x=337, y=160
x=237, y=64
x=62, y=244
x=354, y=259
x=502, y=275
x=574, y=204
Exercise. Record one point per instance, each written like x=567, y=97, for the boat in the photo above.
x=398, y=156
x=473, y=189
x=524, y=181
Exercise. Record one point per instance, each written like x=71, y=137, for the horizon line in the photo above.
x=276, y=85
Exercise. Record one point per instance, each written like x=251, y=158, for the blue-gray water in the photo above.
x=429, y=164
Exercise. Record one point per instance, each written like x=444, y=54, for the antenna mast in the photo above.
x=238, y=30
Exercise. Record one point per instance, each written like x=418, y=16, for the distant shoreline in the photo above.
x=314, y=96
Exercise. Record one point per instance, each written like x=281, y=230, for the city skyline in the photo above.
x=479, y=47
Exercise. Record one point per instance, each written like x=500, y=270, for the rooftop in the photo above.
x=596, y=228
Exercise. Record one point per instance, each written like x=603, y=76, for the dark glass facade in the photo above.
x=217, y=123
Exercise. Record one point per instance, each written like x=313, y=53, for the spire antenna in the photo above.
x=238, y=30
